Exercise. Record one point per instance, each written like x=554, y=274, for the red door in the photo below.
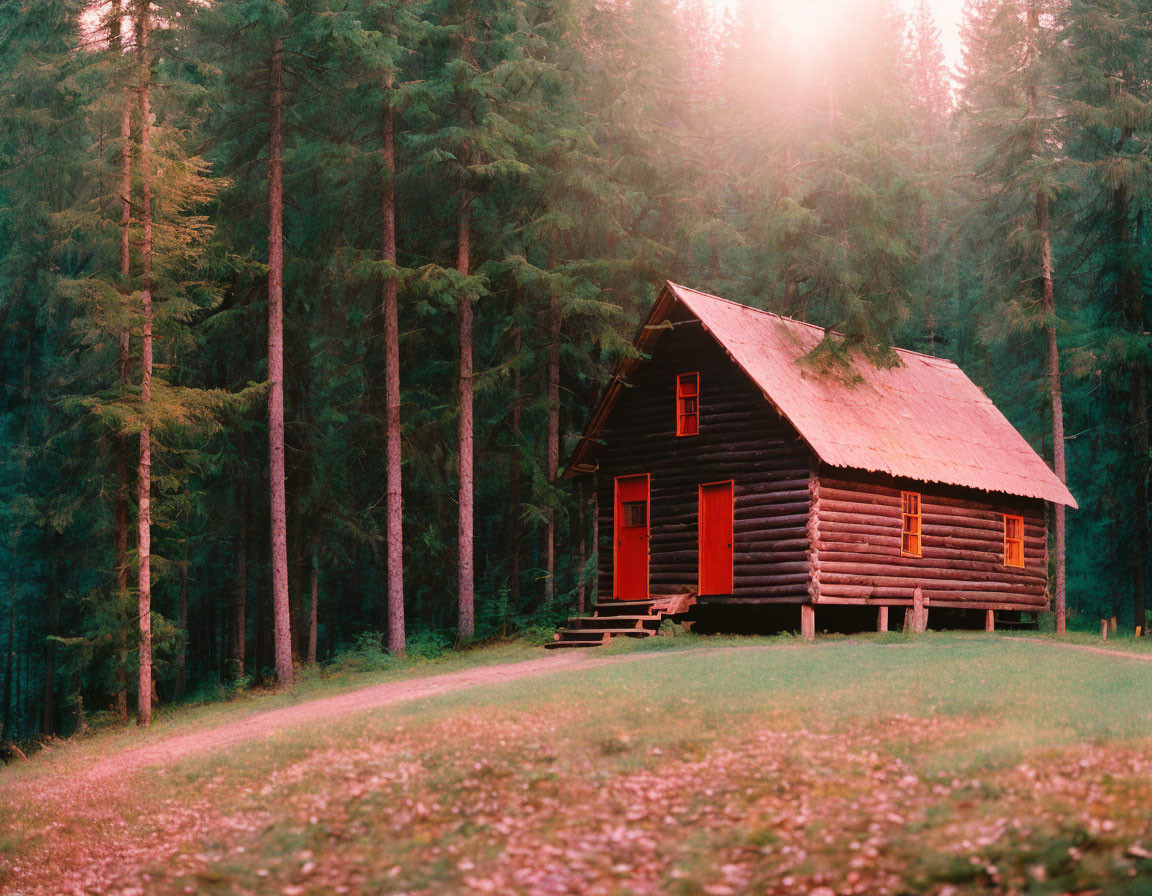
x=630, y=562
x=716, y=538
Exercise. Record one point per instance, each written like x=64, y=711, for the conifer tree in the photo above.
x=1007, y=110
x=281, y=610
x=143, y=30
x=1107, y=128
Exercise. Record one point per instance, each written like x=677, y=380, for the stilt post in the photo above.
x=808, y=622
x=882, y=619
x=989, y=620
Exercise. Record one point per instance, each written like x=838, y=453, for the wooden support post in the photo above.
x=808, y=622
x=882, y=619
x=989, y=620
x=909, y=627
x=919, y=611
x=1104, y=629
x=1112, y=625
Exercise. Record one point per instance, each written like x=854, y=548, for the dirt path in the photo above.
x=1102, y=651
x=264, y=724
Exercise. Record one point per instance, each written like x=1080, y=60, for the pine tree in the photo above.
x=281, y=610
x=1007, y=109
x=144, y=475
x=1107, y=132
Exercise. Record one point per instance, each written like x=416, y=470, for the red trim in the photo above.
x=617, y=526
x=906, y=516
x=687, y=386
x=731, y=483
x=1020, y=540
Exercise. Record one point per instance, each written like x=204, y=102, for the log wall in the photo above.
x=741, y=438
x=856, y=556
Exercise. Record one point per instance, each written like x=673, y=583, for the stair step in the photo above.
x=625, y=632
x=615, y=622
x=622, y=618
x=556, y=645
x=622, y=607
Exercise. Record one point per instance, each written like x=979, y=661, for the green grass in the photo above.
x=873, y=764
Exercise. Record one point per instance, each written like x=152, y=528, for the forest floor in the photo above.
x=944, y=764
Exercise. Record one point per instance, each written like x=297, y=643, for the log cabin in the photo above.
x=728, y=468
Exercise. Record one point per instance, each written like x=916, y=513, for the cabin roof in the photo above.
x=922, y=420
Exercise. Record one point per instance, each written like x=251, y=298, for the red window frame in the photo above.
x=1013, y=540
x=687, y=404
x=911, y=530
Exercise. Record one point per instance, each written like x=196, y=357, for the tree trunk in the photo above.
x=392, y=433
x=240, y=608
x=48, y=723
x=1133, y=299
x=515, y=475
x=281, y=610
x=1057, y=400
x=315, y=589
x=1052, y=366
x=123, y=486
x=182, y=618
x=553, y=459
x=466, y=611
x=144, y=474
x=9, y=663
x=122, y=491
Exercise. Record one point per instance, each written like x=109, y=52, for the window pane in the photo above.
x=910, y=523
x=635, y=513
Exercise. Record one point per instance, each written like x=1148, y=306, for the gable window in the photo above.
x=687, y=404
x=910, y=524
x=1013, y=540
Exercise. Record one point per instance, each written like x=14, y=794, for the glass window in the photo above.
x=910, y=536
x=687, y=404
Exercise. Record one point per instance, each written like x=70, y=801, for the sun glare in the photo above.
x=807, y=24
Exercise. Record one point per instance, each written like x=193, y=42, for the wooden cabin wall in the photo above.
x=741, y=438
x=857, y=548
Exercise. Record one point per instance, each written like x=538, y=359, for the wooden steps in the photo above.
x=620, y=618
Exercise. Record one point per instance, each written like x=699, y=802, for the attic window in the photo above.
x=1014, y=541
x=910, y=524
x=687, y=404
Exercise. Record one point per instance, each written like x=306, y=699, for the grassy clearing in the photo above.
x=948, y=764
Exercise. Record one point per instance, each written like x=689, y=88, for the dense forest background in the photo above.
x=540, y=167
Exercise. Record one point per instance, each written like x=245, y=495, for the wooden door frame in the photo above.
x=616, y=527
x=700, y=532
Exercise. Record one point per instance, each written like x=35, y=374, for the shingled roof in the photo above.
x=922, y=420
